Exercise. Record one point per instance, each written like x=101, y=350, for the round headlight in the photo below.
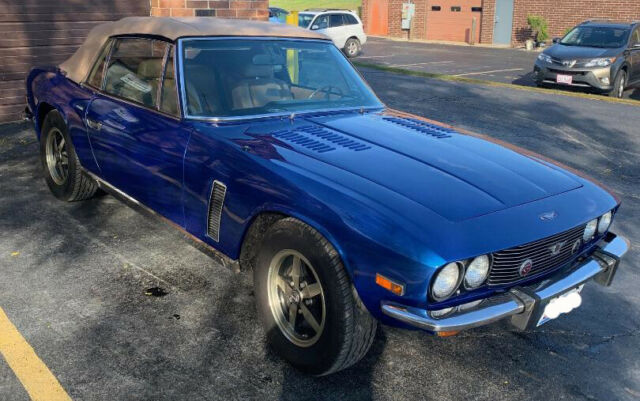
x=477, y=272
x=590, y=230
x=604, y=223
x=446, y=281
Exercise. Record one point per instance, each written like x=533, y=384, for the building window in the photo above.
x=456, y=9
x=436, y=8
x=476, y=9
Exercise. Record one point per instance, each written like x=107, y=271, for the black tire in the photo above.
x=618, y=84
x=75, y=185
x=348, y=330
x=352, y=47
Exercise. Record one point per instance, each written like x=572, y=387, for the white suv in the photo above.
x=342, y=26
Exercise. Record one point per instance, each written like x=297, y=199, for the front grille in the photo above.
x=566, y=72
x=507, y=263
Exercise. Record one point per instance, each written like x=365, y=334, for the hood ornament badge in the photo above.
x=548, y=216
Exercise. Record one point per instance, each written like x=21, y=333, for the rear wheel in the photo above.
x=619, y=84
x=61, y=166
x=352, y=47
x=311, y=313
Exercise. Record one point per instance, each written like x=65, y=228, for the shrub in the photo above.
x=539, y=27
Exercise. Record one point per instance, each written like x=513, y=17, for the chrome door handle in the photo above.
x=95, y=125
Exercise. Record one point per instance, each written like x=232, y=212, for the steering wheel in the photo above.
x=327, y=90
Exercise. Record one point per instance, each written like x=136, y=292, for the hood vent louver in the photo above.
x=319, y=139
x=216, y=203
x=423, y=127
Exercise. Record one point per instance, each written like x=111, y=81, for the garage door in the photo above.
x=42, y=32
x=452, y=20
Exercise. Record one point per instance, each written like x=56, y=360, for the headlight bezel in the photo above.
x=592, y=231
x=545, y=58
x=600, y=62
x=486, y=275
x=600, y=230
x=437, y=298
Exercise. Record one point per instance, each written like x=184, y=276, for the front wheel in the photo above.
x=310, y=311
x=352, y=47
x=618, y=84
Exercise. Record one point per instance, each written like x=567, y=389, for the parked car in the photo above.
x=603, y=56
x=268, y=149
x=278, y=15
x=342, y=26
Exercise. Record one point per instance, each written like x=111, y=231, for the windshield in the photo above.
x=239, y=77
x=596, y=36
x=305, y=19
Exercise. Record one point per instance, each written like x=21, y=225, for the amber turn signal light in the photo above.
x=390, y=285
x=447, y=333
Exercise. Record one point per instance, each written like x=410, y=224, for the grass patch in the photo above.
x=453, y=78
x=299, y=5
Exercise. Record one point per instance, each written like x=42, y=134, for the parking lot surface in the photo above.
x=73, y=281
x=504, y=65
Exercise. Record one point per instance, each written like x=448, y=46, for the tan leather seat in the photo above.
x=257, y=86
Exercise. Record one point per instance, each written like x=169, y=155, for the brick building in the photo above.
x=495, y=21
x=42, y=32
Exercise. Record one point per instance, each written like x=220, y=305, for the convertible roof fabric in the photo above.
x=78, y=65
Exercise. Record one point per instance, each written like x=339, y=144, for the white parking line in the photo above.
x=389, y=55
x=425, y=63
x=488, y=72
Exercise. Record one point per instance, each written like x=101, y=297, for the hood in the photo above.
x=455, y=175
x=563, y=52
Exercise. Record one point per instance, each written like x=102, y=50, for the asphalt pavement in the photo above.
x=505, y=65
x=73, y=279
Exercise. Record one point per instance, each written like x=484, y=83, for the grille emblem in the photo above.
x=576, y=246
x=548, y=216
x=525, y=267
x=568, y=63
x=556, y=248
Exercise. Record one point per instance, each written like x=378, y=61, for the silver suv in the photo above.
x=599, y=55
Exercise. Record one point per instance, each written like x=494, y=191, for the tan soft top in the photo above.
x=78, y=65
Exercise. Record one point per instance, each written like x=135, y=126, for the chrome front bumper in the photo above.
x=525, y=305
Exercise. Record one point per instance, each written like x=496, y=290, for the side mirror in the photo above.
x=315, y=27
x=556, y=40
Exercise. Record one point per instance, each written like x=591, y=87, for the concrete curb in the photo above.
x=445, y=77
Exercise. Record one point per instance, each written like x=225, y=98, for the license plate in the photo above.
x=562, y=304
x=564, y=79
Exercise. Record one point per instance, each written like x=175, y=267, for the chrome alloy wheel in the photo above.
x=57, y=157
x=352, y=48
x=296, y=298
x=621, y=88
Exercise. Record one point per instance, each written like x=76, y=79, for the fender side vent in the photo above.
x=216, y=203
x=423, y=127
x=319, y=139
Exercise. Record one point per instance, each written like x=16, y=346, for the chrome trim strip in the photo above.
x=130, y=201
x=507, y=304
x=478, y=317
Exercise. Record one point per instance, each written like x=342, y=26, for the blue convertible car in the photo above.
x=263, y=144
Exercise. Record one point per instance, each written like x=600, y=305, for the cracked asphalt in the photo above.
x=73, y=280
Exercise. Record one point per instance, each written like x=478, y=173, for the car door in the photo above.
x=134, y=125
x=337, y=30
x=634, y=49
